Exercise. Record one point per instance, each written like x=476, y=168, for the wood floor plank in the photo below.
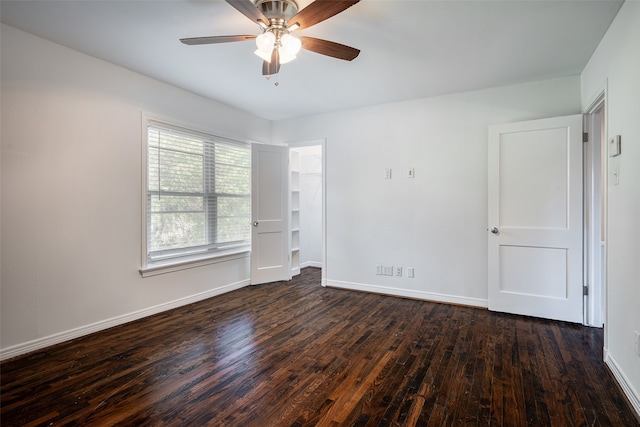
x=298, y=354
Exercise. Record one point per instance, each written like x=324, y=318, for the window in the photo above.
x=198, y=201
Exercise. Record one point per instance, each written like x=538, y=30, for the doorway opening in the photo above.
x=308, y=238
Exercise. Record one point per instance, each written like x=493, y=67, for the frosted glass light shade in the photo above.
x=289, y=48
x=285, y=57
x=290, y=44
x=264, y=55
x=265, y=43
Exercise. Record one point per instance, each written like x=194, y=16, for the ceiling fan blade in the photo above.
x=215, y=39
x=333, y=49
x=248, y=9
x=269, y=68
x=320, y=10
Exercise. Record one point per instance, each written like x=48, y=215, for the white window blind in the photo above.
x=198, y=194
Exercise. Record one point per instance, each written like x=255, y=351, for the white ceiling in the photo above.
x=409, y=49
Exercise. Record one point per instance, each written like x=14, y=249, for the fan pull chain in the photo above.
x=275, y=83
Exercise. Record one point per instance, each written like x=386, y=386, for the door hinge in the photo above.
x=585, y=137
x=585, y=290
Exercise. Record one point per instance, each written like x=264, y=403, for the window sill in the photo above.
x=184, y=264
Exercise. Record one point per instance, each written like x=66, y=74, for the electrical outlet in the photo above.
x=378, y=270
x=398, y=271
x=387, y=270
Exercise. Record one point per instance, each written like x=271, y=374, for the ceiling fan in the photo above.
x=279, y=18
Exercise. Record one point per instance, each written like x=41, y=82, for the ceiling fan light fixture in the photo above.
x=264, y=55
x=285, y=57
x=290, y=45
x=266, y=41
x=277, y=19
x=289, y=48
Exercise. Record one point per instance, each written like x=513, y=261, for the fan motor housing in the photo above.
x=275, y=10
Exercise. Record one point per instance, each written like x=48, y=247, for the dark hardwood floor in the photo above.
x=298, y=354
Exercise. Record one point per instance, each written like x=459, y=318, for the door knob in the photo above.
x=255, y=223
x=495, y=230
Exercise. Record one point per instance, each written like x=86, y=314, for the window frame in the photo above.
x=206, y=256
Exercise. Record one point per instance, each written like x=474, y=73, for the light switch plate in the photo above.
x=614, y=146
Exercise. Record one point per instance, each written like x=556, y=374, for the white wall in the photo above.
x=71, y=186
x=435, y=222
x=310, y=205
x=617, y=62
x=71, y=193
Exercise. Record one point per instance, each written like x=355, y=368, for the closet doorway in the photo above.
x=308, y=225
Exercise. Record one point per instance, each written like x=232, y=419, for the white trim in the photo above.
x=598, y=98
x=315, y=264
x=595, y=308
x=601, y=99
x=60, y=337
x=144, y=143
x=185, y=264
x=409, y=293
x=324, y=272
x=628, y=389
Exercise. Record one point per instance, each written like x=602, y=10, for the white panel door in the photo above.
x=269, y=213
x=535, y=218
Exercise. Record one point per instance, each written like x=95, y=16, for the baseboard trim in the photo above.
x=315, y=264
x=40, y=343
x=409, y=293
x=624, y=383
